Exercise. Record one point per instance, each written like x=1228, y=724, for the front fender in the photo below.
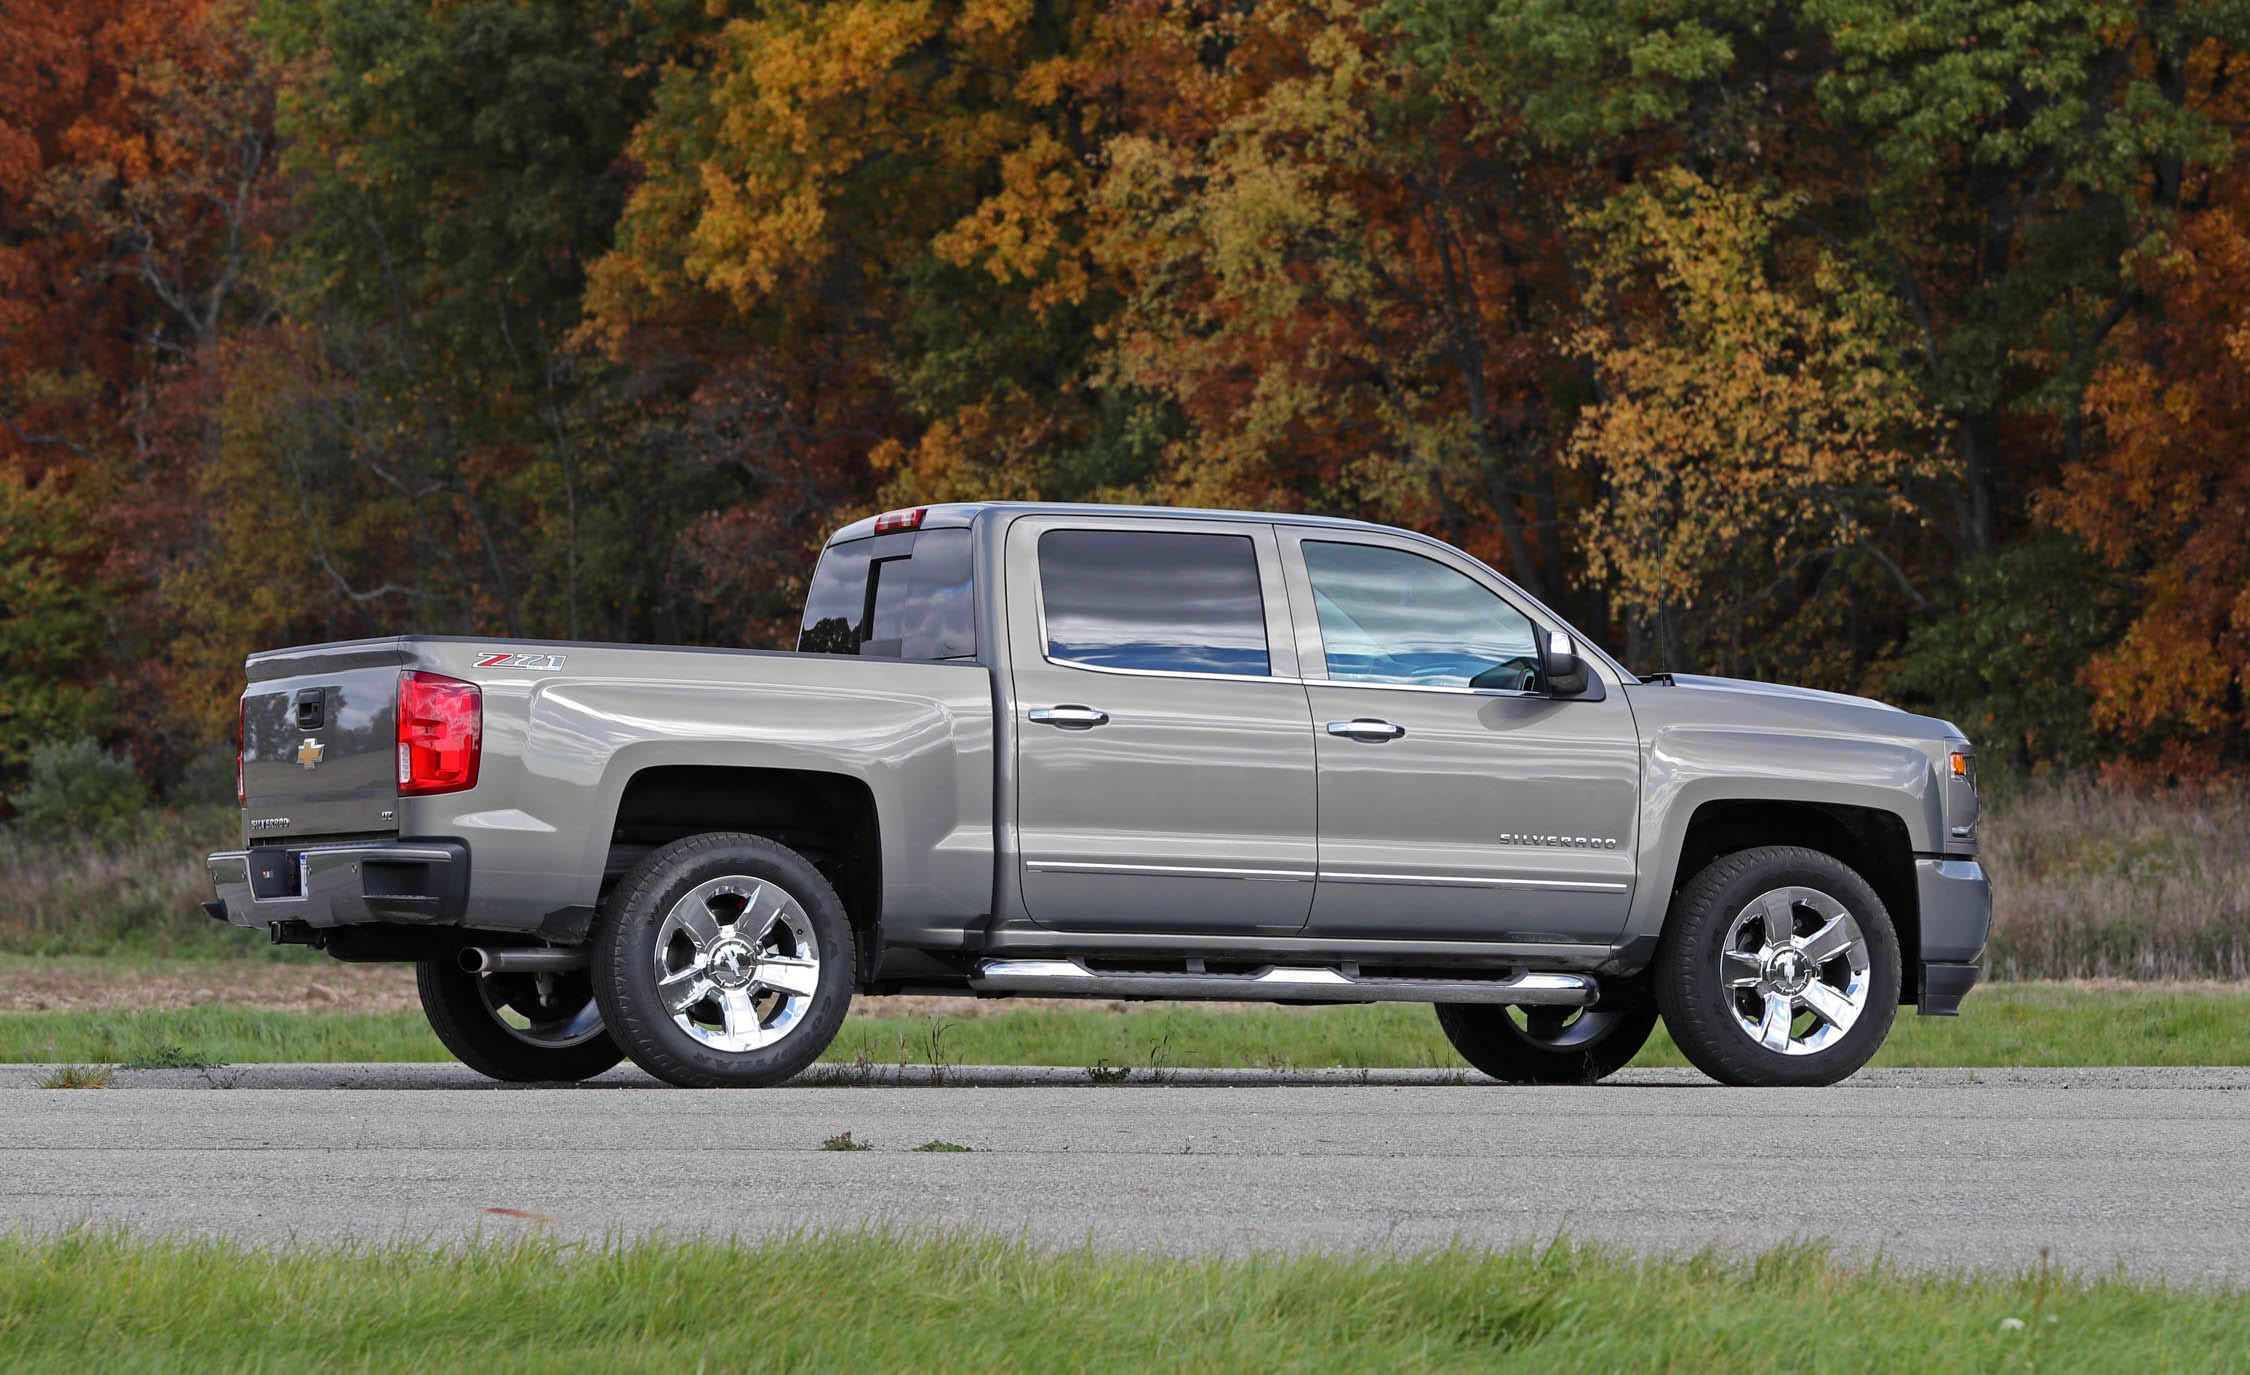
x=1689, y=766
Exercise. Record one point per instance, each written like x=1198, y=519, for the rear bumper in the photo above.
x=1956, y=918
x=413, y=881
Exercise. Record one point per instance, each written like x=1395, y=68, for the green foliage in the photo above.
x=2004, y=664
x=80, y=791
x=460, y=165
x=50, y=620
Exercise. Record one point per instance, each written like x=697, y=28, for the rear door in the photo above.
x=1457, y=800
x=1164, y=757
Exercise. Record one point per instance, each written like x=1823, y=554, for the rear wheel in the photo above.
x=724, y=961
x=1779, y=967
x=1547, y=1045
x=523, y=1028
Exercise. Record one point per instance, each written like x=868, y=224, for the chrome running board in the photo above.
x=1276, y=983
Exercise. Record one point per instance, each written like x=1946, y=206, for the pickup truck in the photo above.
x=1115, y=752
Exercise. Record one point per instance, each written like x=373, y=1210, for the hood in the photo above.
x=1703, y=683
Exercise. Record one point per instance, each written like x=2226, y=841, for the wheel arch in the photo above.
x=1874, y=843
x=829, y=818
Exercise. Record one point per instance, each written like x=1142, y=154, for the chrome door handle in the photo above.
x=1366, y=728
x=1070, y=717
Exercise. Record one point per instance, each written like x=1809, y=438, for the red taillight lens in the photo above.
x=241, y=780
x=900, y=520
x=440, y=733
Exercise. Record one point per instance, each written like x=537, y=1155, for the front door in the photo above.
x=1164, y=750
x=1457, y=800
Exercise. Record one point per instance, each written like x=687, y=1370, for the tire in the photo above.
x=1551, y=1045
x=717, y=1022
x=1720, y=960
x=497, y=1024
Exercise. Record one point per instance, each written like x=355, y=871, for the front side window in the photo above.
x=1388, y=616
x=1153, y=601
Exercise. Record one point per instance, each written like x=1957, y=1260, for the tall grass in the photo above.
x=2097, y=882
x=2089, y=882
x=137, y=895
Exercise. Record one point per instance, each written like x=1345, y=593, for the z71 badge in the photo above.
x=535, y=662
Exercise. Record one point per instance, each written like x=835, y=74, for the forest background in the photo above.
x=1893, y=346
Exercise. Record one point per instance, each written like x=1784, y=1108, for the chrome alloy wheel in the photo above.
x=736, y=963
x=551, y=1011
x=1795, y=964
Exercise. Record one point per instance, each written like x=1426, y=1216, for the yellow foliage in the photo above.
x=1747, y=419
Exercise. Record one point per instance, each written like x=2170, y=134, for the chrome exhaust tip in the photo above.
x=548, y=959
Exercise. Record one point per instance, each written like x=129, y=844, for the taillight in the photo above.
x=440, y=733
x=241, y=782
x=909, y=519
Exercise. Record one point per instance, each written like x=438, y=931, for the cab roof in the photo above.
x=956, y=514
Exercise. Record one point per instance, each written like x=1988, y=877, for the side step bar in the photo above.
x=1276, y=983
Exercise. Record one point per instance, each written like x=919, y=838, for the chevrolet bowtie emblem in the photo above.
x=309, y=753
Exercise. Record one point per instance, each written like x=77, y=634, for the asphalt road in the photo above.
x=2148, y=1170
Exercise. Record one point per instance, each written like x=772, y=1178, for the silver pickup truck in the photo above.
x=1113, y=752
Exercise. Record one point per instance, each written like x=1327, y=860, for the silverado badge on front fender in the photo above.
x=309, y=753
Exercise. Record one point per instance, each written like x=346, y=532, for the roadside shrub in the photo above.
x=78, y=790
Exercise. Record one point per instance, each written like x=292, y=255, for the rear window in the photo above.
x=902, y=597
x=1153, y=601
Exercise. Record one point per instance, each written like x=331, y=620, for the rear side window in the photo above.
x=1153, y=601
x=902, y=597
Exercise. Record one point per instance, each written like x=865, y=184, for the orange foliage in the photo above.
x=2169, y=498
x=74, y=100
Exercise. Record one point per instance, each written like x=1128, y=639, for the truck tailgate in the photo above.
x=320, y=741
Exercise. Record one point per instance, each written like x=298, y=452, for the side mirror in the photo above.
x=1561, y=671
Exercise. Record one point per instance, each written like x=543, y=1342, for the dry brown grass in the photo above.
x=135, y=896
x=2096, y=882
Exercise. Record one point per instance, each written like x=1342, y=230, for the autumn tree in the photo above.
x=1757, y=421
x=135, y=152
x=1349, y=290
x=865, y=221
x=2166, y=498
x=412, y=442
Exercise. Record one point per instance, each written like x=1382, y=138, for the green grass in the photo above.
x=881, y=1302
x=2005, y=1024
x=216, y=1035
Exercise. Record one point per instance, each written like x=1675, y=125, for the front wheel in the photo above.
x=1779, y=968
x=724, y=961
x=521, y=1028
x=1547, y=1045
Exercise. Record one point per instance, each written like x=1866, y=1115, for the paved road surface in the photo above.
x=2145, y=1169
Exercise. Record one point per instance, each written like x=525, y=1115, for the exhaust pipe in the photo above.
x=532, y=960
